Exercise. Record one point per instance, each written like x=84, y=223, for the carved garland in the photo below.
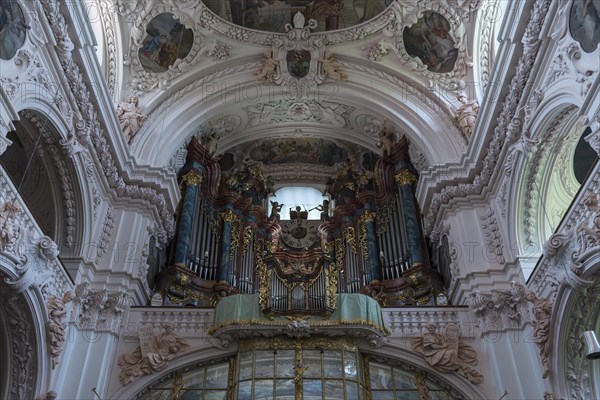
x=111, y=44
x=491, y=229
x=98, y=310
x=105, y=234
x=504, y=309
x=487, y=16
x=22, y=347
x=577, y=366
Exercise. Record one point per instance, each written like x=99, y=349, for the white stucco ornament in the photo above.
x=298, y=61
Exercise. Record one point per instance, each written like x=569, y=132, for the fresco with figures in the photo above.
x=300, y=150
x=273, y=15
x=584, y=22
x=429, y=39
x=166, y=41
x=12, y=29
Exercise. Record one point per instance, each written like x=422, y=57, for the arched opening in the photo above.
x=19, y=369
x=555, y=168
x=45, y=177
x=283, y=369
x=24, y=163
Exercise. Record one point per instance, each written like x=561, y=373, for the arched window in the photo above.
x=584, y=157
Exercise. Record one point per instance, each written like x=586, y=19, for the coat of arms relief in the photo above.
x=298, y=61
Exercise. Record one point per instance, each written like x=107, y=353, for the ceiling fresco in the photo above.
x=273, y=15
x=166, y=40
x=298, y=150
x=430, y=40
x=584, y=22
x=12, y=29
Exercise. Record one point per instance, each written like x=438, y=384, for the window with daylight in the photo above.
x=307, y=198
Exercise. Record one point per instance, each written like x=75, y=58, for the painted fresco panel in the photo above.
x=273, y=15
x=166, y=41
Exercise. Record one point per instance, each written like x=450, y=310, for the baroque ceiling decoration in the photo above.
x=434, y=31
x=508, y=125
x=87, y=127
x=436, y=57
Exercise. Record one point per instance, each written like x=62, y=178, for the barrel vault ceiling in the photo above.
x=402, y=65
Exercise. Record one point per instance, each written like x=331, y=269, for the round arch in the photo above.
x=66, y=170
x=412, y=112
x=576, y=308
x=393, y=355
x=24, y=317
x=540, y=172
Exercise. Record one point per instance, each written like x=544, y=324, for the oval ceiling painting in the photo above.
x=12, y=29
x=584, y=23
x=298, y=150
x=166, y=41
x=273, y=15
x=429, y=39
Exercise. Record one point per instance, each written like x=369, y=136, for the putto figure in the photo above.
x=268, y=68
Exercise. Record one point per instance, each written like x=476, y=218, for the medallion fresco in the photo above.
x=298, y=150
x=166, y=41
x=273, y=15
x=584, y=23
x=12, y=29
x=429, y=39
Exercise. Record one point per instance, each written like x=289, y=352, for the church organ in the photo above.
x=368, y=239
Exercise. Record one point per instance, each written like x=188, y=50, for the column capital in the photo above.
x=192, y=178
x=405, y=177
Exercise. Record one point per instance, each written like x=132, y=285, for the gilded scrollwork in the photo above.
x=405, y=177
x=350, y=237
x=362, y=238
x=248, y=234
x=192, y=178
